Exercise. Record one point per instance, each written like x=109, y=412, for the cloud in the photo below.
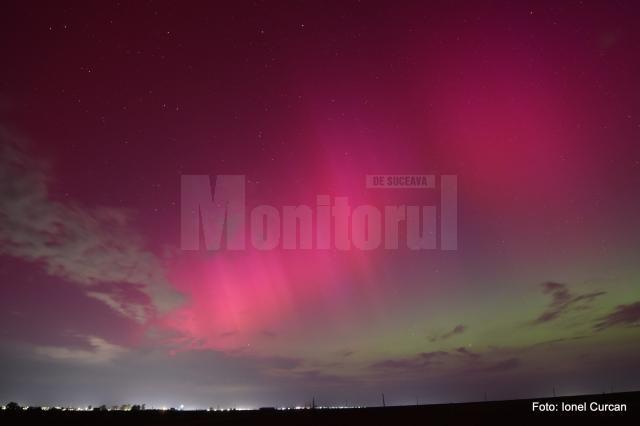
x=428, y=356
x=317, y=376
x=419, y=361
x=563, y=301
x=500, y=366
x=85, y=246
x=466, y=352
x=119, y=305
x=558, y=341
x=345, y=353
x=100, y=351
x=396, y=364
x=281, y=363
x=626, y=315
x=458, y=329
x=459, y=361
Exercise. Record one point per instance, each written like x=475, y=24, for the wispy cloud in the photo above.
x=622, y=315
x=419, y=361
x=86, y=246
x=345, y=353
x=458, y=329
x=99, y=351
x=563, y=301
x=457, y=361
x=466, y=352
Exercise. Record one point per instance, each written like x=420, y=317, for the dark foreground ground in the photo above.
x=510, y=412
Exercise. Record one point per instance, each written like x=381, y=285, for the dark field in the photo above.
x=516, y=411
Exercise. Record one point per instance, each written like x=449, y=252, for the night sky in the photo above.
x=534, y=106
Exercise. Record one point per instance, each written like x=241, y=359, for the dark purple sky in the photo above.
x=534, y=107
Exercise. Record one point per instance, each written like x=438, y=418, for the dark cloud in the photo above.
x=500, y=366
x=317, y=376
x=432, y=355
x=466, y=352
x=420, y=361
x=345, y=353
x=458, y=362
x=622, y=315
x=458, y=329
x=557, y=341
x=563, y=301
x=395, y=364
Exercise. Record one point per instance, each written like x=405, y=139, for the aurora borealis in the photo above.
x=533, y=106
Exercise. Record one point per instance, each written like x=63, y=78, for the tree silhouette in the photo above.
x=13, y=406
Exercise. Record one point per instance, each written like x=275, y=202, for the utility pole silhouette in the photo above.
x=384, y=404
x=313, y=403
